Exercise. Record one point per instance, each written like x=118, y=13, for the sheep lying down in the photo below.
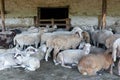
x=92, y=63
x=7, y=60
x=72, y=56
x=27, y=62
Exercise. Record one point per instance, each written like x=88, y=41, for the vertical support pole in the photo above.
x=67, y=23
x=52, y=22
x=3, y=14
x=104, y=10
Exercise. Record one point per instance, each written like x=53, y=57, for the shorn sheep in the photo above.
x=62, y=42
x=72, y=56
x=116, y=52
x=27, y=62
x=7, y=60
x=36, y=52
x=92, y=63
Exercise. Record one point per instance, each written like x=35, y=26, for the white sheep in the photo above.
x=72, y=56
x=92, y=63
x=11, y=50
x=116, y=52
x=27, y=62
x=36, y=52
x=62, y=42
x=100, y=36
x=27, y=39
x=93, y=49
x=7, y=60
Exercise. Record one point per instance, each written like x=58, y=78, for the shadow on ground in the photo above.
x=48, y=71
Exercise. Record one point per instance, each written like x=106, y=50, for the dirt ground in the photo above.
x=48, y=71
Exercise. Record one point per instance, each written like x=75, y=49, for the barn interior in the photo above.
x=65, y=14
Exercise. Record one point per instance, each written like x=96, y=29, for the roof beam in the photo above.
x=3, y=14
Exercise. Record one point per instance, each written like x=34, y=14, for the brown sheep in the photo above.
x=86, y=36
x=92, y=63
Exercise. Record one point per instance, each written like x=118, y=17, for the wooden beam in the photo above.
x=104, y=11
x=3, y=14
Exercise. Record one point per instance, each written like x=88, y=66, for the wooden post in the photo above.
x=52, y=22
x=3, y=14
x=104, y=10
x=67, y=23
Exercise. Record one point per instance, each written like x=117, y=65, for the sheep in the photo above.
x=27, y=62
x=62, y=42
x=92, y=63
x=96, y=50
x=34, y=52
x=116, y=52
x=86, y=36
x=93, y=49
x=27, y=39
x=99, y=36
x=46, y=36
x=72, y=56
x=7, y=60
x=11, y=50
x=110, y=40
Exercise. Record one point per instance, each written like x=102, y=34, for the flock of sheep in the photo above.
x=90, y=50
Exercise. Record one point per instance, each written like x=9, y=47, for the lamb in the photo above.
x=72, y=56
x=92, y=63
x=110, y=40
x=116, y=52
x=27, y=62
x=62, y=42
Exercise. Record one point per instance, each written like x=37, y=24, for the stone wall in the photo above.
x=81, y=12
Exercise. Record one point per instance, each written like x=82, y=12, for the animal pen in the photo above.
x=24, y=24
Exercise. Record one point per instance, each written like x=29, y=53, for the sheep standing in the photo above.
x=62, y=42
x=72, y=56
x=100, y=36
x=116, y=52
x=46, y=36
x=92, y=63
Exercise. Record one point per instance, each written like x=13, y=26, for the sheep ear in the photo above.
x=77, y=33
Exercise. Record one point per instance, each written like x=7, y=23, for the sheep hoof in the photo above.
x=85, y=73
x=54, y=61
x=46, y=60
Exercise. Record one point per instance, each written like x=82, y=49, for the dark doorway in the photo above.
x=53, y=13
x=56, y=13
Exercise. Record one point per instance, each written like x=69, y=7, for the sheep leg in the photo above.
x=47, y=54
x=63, y=64
x=114, y=54
x=119, y=67
x=55, y=55
x=111, y=68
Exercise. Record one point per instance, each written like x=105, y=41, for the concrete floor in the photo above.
x=48, y=71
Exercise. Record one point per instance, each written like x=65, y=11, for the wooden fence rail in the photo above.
x=52, y=22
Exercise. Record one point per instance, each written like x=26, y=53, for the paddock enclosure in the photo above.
x=25, y=23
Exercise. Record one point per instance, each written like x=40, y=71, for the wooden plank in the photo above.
x=3, y=14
